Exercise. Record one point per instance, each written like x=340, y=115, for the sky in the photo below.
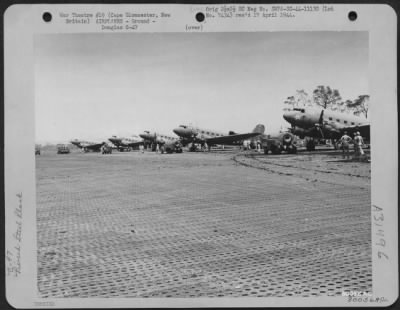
x=93, y=86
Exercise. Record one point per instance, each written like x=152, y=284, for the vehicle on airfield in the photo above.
x=63, y=149
x=172, y=147
x=190, y=135
x=106, y=149
x=279, y=142
x=275, y=142
x=37, y=149
x=88, y=146
x=126, y=144
x=313, y=124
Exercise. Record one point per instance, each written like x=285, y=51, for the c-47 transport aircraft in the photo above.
x=196, y=135
x=153, y=138
x=325, y=124
x=88, y=146
x=126, y=143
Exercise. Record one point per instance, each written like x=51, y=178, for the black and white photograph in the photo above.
x=210, y=164
x=239, y=207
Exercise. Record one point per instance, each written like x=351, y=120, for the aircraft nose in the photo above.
x=288, y=116
x=143, y=135
x=179, y=131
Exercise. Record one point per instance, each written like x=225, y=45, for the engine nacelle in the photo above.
x=287, y=139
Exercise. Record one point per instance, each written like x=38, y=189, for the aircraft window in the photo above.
x=345, y=122
x=208, y=133
x=298, y=109
x=330, y=118
x=338, y=120
x=352, y=123
x=202, y=131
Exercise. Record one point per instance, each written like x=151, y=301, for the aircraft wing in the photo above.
x=94, y=146
x=134, y=144
x=231, y=138
x=363, y=129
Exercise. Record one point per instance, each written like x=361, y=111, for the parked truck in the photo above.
x=62, y=149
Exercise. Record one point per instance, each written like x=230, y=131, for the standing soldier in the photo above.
x=358, y=143
x=157, y=148
x=345, y=141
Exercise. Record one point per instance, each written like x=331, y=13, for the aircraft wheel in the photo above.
x=310, y=145
x=276, y=149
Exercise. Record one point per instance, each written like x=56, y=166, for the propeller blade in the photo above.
x=321, y=118
x=320, y=124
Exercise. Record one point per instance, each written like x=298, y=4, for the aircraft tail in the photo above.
x=260, y=128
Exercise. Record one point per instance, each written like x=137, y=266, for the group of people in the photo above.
x=358, y=142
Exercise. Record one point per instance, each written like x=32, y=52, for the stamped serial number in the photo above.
x=44, y=304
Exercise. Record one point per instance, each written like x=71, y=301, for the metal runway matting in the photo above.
x=192, y=225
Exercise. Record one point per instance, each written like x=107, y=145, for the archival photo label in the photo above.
x=205, y=155
x=118, y=20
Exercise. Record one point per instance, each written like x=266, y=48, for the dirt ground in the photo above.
x=202, y=224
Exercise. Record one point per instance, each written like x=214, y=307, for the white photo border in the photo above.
x=23, y=22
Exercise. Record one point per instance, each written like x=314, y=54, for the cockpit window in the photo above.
x=183, y=126
x=300, y=110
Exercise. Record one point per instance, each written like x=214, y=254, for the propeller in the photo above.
x=320, y=124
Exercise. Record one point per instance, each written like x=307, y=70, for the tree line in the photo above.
x=328, y=98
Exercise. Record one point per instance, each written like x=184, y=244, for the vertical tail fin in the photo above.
x=260, y=128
